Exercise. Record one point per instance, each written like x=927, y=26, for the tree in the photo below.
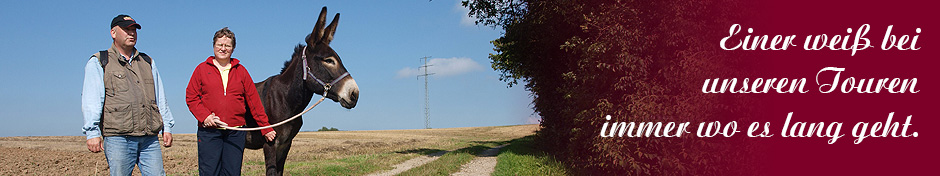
x=328, y=129
x=634, y=60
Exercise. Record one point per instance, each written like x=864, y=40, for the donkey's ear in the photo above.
x=318, y=28
x=330, y=30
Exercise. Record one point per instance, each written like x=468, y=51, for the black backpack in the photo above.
x=104, y=54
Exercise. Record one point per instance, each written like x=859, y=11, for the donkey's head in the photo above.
x=323, y=69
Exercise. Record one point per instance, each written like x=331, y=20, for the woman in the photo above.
x=218, y=91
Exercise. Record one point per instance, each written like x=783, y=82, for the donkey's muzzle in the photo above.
x=349, y=94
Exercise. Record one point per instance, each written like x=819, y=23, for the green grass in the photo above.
x=253, y=163
x=452, y=161
x=353, y=165
x=465, y=145
x=521, y=158
x=366, y=164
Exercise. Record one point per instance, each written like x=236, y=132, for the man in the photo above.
x=123, y=101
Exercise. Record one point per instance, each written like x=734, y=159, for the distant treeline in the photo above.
x=324, y=129
x=328, y=129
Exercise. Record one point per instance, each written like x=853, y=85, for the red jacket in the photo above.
x=204, y=95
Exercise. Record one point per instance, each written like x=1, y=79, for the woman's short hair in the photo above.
x=224, y=32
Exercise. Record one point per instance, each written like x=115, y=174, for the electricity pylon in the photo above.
x=427, y=101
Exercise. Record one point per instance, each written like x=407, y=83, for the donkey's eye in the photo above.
x=328, y=60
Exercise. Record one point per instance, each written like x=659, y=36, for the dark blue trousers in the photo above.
x=220, y=151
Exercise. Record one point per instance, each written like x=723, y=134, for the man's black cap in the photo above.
x=124, y=21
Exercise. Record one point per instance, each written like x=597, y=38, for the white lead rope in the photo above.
x=223, y=125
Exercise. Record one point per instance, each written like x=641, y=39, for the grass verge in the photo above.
x=521, y=157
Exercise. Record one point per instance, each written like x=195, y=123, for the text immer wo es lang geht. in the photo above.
x=832, y=130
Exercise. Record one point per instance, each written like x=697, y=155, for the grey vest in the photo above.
x=130, y=106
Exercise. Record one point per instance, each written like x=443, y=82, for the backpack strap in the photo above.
x=145, y=57
x=103, y=54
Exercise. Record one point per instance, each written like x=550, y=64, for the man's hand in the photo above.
x=167, y=140
x=210, y=122
x=270, y=136
x=94, y=145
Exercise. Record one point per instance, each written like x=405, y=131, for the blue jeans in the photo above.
x=123, y=152
x=220, y=151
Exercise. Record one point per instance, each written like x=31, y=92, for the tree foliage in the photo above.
x=637, y=61
x=328, y=129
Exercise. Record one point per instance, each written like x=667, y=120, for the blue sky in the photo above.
x=44, y=46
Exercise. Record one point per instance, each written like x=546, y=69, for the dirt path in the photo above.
x=412, y=163
x=481, y=165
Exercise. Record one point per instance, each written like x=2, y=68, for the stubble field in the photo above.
x=352, y=152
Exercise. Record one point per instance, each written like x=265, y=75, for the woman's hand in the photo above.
x=270, y=136
x=210, y=121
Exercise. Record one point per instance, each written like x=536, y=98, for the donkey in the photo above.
x=314, y=68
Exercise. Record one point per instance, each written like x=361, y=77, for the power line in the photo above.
x=427, y=101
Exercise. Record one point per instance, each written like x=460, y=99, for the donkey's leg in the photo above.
x=270, y=158
x=283, y=148
x=273, y=149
